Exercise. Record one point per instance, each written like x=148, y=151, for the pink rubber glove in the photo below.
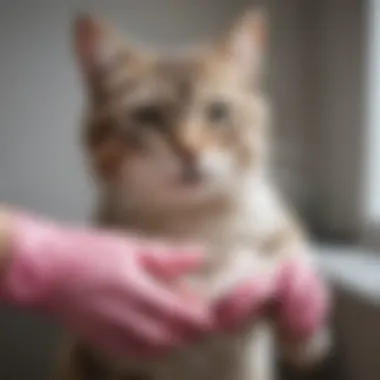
x=299, y=296
x=247, y=301
x=303, y=301
x=112, y=291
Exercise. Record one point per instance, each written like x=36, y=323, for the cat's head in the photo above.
x=174, y=129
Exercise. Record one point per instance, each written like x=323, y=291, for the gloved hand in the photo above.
x=296, y=297
x=115, y=291
x=303, y=300
x=111, y=290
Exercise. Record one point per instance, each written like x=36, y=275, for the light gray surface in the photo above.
x=354, y=268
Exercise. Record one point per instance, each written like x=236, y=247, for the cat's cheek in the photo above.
x=252, y=152
x=138, y=173
x=147, y=173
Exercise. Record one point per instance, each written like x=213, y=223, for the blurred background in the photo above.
x=324, y=81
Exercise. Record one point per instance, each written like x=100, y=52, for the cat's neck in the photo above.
x=170, y=222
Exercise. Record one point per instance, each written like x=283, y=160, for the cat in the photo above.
x=179, y=149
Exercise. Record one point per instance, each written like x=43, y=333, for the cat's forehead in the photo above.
x=181, y=71
x=169, y=79
x=184, y=77
x=175, y=77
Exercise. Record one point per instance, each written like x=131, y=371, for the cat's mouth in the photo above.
x=175, y=181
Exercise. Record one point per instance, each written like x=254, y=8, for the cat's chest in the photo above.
x=231, y=241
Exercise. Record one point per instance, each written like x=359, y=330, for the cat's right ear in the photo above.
x=96, y=45
x=244, y=46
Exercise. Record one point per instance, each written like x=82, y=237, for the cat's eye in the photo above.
x=148, y=115
x=218, y=111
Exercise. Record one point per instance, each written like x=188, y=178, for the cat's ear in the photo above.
x=246, y=43
x=96, y=43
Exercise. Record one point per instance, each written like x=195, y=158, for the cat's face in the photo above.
x=174, y=130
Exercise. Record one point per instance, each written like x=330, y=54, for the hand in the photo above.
x=112, y=291
x=299, y=297
x=302, y=301
x=246, y=302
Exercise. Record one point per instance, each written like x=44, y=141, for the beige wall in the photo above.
x=287, y=74
x=319, y=63
x=341, y=44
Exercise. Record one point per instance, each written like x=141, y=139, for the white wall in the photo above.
x=39, y=104
x=334, y=54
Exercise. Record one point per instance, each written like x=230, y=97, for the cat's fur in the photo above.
x=179, y=147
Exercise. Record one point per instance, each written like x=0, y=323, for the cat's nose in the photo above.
x=191, y=175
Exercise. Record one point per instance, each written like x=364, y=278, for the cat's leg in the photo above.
x=257, y=360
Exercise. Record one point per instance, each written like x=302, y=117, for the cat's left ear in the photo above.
x=245, y=45
x=94, y=42
x=98, y=45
